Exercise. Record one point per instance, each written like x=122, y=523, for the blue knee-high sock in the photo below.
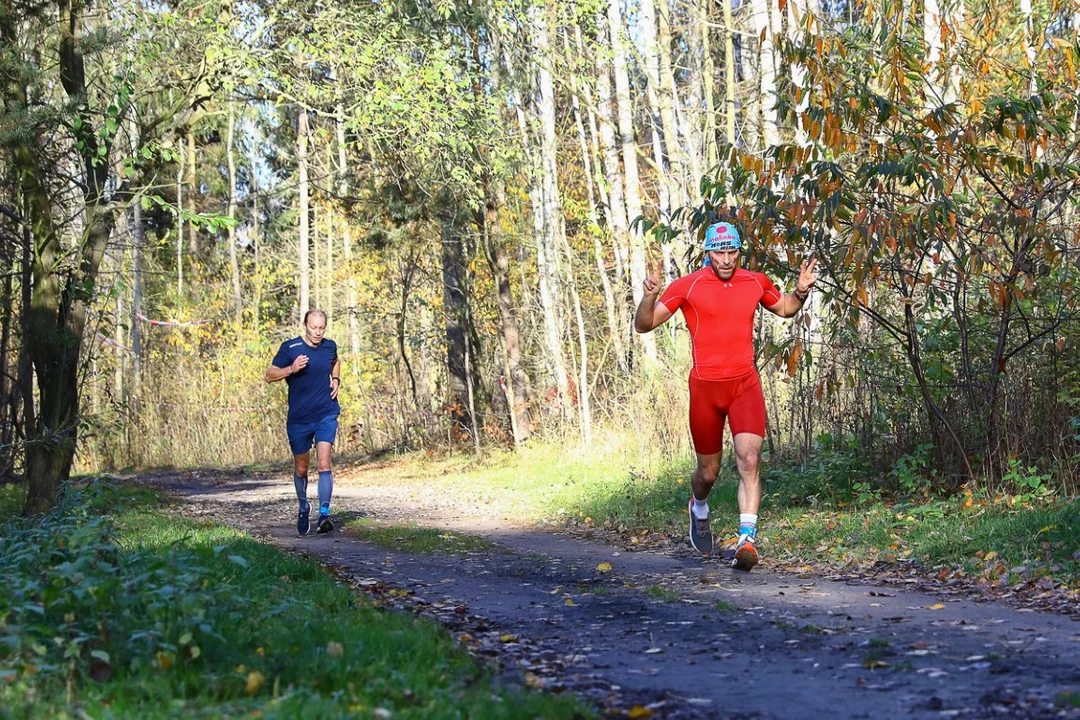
x=301, y=491
x=326, y=489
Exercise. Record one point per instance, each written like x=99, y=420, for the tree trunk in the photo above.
x=59, y=299
x=455, y=302
x=731, y=108
x=331, y=238
x=630, y=166
x=234, y=265
x=346, y=242
x=761, y=14
x=192, y=185
x=709, y=92
x=588, y=153
x=504, y=301
x=180, y=223
x=305, y=211
x=547, y=209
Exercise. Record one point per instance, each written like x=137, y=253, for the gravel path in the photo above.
x=668, y=634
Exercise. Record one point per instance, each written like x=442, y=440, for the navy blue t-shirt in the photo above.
x=309, y=389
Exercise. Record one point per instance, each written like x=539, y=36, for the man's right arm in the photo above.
x=275, y=373
x=650, y=313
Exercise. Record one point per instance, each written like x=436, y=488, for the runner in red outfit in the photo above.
x=718, y=303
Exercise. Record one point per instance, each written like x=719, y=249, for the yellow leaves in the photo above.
x=335, y=649
x=936, y=606
x=990, y=556
x=164, y=660
x=534, y=681
x=639, y=711
x=570, y=602
x=508, y=638
x=604, y=567
x=255, y=680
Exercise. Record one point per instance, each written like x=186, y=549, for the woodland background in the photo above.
x=473, y=192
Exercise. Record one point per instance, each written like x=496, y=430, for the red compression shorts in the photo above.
x=738, y=400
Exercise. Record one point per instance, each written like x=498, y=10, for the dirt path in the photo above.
x=679, y=635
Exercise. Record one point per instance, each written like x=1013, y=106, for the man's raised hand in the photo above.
x=299, y=363
x=652, y=281
x=808, y=275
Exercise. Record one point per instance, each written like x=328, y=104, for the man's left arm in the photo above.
x=791, y=303
x=335, y=377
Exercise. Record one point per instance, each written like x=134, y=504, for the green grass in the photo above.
x=421, y=540
x=807, y=514
x=616, y=488
x=147, y=615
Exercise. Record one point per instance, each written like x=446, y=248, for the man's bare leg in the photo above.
x=748, y=458
x=701, y=482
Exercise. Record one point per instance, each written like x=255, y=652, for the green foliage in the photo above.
x=1027, y=482
x=910, y=471
x=141, y=614
x=836, y=471
x=78, y=606
x=12, y=497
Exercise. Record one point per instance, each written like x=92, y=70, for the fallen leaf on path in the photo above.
x=570, y=602
x=640, y=712
x=534, y=681
x=604, y=567
x=654, y=651
x=508, y=638
x=936, y=606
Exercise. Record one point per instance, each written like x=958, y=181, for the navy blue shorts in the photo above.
x=303, y=435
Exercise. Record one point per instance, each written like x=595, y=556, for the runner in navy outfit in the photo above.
x=310, y=366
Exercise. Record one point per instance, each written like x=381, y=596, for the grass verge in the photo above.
x=808, y=514
x=143, y=614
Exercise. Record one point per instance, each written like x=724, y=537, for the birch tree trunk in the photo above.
x=588, y=159
x=547, y=208
x=800, y=13
x=138, y=271
x=762, y=18
x=346, y=242
x=234, y=265
x=180, y=223
x=668, y=104
x=731, y=108
x=305, y=210
x=192, y=185
x=707, y=89
x=609, y=149
x=630, y=167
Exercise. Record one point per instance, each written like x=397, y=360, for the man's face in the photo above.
x=314, y=329
x=724, y=262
